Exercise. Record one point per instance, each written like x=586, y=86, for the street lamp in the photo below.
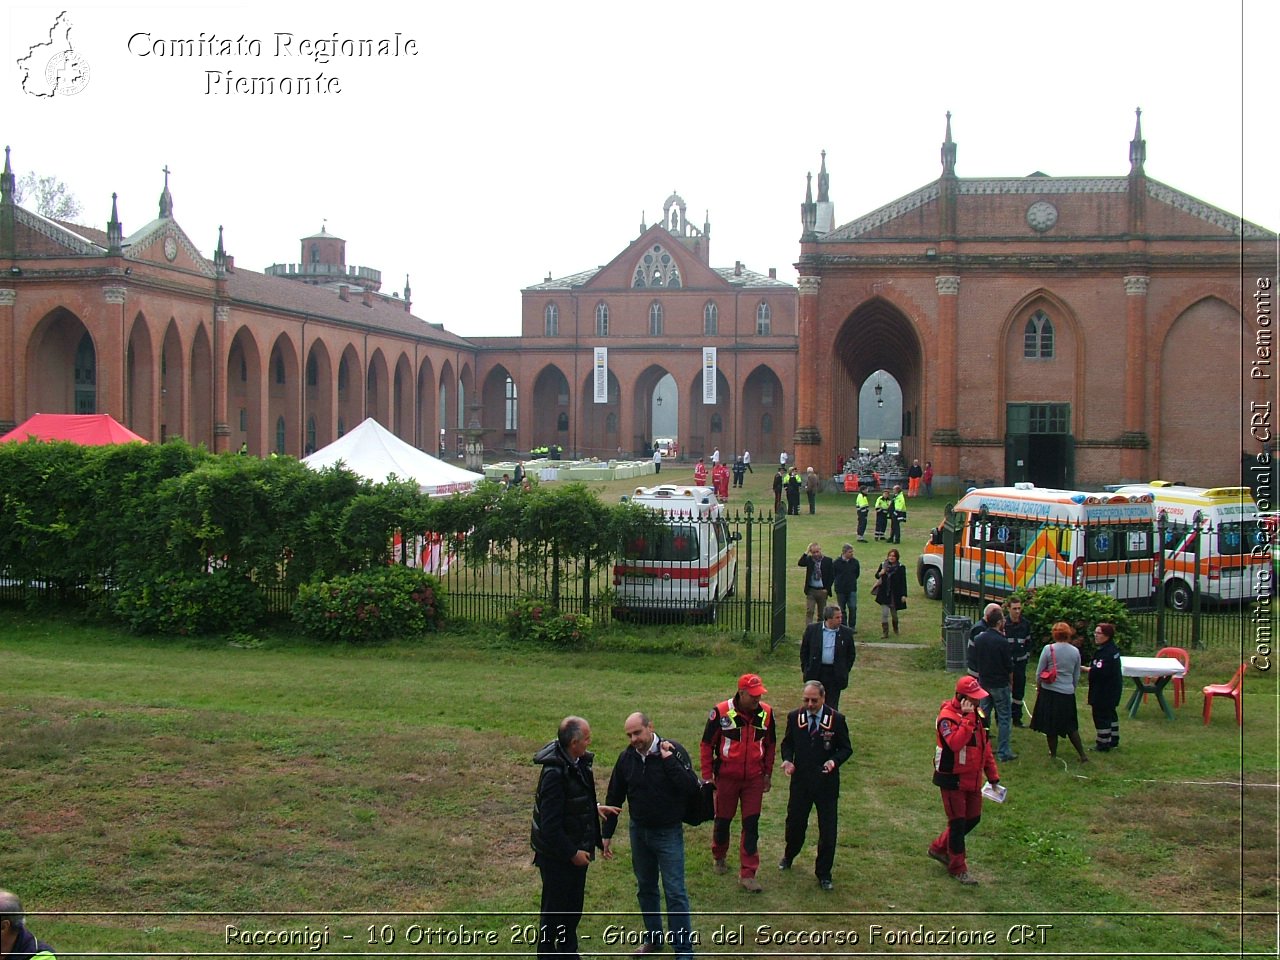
x=879, y=399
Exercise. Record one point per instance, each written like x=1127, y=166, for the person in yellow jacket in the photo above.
x=862, y=503
x=897, y=514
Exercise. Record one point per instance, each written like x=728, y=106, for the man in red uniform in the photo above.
x=720, y=480
x=963, y=754
x=738, y=747
x=700, y=473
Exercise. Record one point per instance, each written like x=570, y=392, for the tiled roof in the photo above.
x=564, y=283
x=748, y=278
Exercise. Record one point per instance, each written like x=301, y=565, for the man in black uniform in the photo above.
x=1017, y=630
x=16, y=941
x=815, y=745
x=565, y=834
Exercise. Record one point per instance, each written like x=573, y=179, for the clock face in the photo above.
x=170, y=248
x=1041, y=215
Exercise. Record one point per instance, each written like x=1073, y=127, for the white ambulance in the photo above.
x=1023, y=536
x=689, y=568
x=1234, y=553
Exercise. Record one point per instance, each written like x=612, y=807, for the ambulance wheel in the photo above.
x=713, y=612
x=733, y=587
x=932, y=584
x=1178, y=596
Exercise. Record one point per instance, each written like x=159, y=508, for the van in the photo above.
x=666, y=445
x=1234, y=556
x=1023, y=536
x=690, y=567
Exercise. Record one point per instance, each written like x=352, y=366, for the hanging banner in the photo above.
x=709, y=375
x=602, y=375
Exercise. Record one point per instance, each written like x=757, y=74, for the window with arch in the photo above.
x=313, y=371
x=764, y=319
x=280, y=370
x=1037, y=337
x=655, y=319
x=280, y=431
x=611, y=423
x=511, y=417
x=311, y=435
x=602, y=319
x=657, y=268
x=551, y=320
x=710, y=319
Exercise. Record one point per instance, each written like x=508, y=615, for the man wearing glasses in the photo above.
x=815, y=745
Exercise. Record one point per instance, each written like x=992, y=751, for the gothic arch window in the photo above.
x=280, y=435
x=602, y=319
x=512, y=415
x=551, y=320
x=280, y=370
x=764, y=319
x=710, y=319
x=717, y=423
x=1037, y=337
x=655, y=319
x=766, y=424
x=611, y=423
x=656, y=268
x=311, y=435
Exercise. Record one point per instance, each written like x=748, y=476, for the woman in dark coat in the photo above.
x=1106, y=686
x=890, y=591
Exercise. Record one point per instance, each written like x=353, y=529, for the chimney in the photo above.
x=368, y=297
x=342, y=292
x=737, y=268
x=773, y=273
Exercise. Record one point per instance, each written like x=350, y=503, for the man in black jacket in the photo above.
x=827, y=653
x=847, y=569
x=1106, y=686
x=815, y=745
x=565, y=834
x=16, y=941
x=655, y=778
x=993, y=658
x=819, y=575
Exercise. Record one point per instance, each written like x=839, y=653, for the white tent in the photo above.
x=372, y=451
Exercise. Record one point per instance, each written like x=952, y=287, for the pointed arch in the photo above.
x=317, y=398
x=428, y=436
x=245, y=410
x=172, y=381
x=200, y=398
x=284, y=395
x=550, y=399
x=62, y=365
x=498, y=405
x=764, y=409
x=402, y=385
x=446, y=406
x=377, y=389
x=1040, y=379
x=349, y=380
x=140, y=388
x=600, y=435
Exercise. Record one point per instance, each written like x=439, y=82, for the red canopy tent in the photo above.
x=88, y=430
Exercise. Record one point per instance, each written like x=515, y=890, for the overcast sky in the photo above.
x=525, y=139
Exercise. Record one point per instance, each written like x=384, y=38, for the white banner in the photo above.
x=709, y=375
x=602, y=375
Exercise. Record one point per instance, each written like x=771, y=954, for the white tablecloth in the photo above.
x=1151, y=667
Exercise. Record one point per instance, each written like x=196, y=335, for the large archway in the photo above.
x=317, y=400
x=710, y=425
x=499, y=410
x=139, y=383
x=200, y=412
x=350, y=391
x=283, y=397
x=63, y=366
x=763, y=430
x=601, y=422
x=551, y=408
x=877, y=336
x=244, y=395
x=1185, y=426
x=172, y=378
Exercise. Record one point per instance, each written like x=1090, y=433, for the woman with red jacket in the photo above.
x=962, y=756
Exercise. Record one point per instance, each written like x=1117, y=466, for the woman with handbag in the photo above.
x=890, y=591
x=1057, y=675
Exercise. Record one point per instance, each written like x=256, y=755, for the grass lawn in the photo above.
x=381, y=793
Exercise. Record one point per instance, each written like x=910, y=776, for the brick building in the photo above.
x=1070, y=331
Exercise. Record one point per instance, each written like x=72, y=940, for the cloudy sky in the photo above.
x=524, y=139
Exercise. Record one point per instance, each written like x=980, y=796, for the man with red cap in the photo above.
x=962, y=756
x=738, y=748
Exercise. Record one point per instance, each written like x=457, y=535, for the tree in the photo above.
x=50, y=195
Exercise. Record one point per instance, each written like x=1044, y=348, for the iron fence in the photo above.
x=747, y=594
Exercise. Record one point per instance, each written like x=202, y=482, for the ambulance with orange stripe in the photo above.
x=689, y=567
x=1234, y=557
x=1023, y=536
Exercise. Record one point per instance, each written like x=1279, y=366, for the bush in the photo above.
x=537, y=620
x=1045, y=606
x=378, y=604
x=186, y=604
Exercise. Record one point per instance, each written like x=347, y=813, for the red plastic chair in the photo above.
x=1179, y=686
x=1234, y=690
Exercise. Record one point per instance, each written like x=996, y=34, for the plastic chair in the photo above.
x=1179, y=687
x=1234, y=690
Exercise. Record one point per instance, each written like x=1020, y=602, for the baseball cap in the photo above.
x=969, y=687
x=752, y=684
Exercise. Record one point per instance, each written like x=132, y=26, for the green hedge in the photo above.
x=380, y=604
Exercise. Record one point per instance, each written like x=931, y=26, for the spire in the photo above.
x=643, y=228
x=808, y=211
x=406, y=293
x=824, y=181
x=948, y=152
x=115, y=231
x=1137, y=147
x=166, y=198
x=7, y=184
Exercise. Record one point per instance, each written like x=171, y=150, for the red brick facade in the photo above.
x=1067, y=331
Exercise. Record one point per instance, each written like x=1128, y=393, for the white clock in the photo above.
x=1041, y=216
x=170, y=247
